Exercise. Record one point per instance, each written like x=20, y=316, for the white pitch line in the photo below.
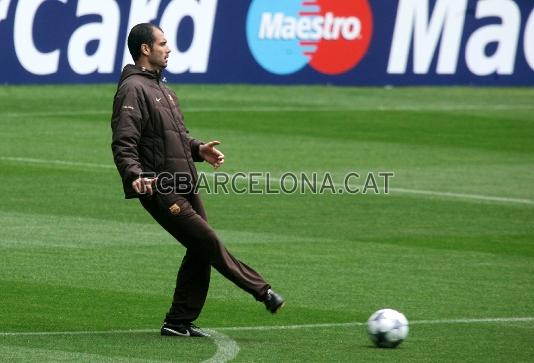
x=227, y=348
x=432, y=193
x=415, y=322
x=304, y=108
x=471, y=321
x=290, y=327
x=79, y=332
x=56, y=162
x=464, y=196
x=523, y=319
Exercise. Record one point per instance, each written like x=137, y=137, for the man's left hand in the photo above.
x=211, y=154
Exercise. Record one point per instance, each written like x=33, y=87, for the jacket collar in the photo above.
x=131, y=69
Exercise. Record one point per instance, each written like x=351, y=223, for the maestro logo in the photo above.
x=331, y=36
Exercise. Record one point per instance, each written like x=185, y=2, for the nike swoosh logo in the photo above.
x=158, y=99
x=177, y=332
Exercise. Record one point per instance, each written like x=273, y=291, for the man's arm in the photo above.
x=126, y=125
x=206, y=151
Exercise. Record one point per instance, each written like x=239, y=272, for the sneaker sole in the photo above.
x=173, y=333
x=279, y=307
x=167, y=332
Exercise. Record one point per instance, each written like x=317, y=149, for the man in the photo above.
x=150, y=139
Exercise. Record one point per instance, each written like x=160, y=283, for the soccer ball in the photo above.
x=387, y=328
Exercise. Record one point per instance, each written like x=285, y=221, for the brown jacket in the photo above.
x=149, y=135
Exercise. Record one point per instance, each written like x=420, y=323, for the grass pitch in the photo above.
x=88, y=276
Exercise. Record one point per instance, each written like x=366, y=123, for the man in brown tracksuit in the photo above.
x=150, y=140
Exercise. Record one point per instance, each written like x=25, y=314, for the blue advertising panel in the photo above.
x=344, y=42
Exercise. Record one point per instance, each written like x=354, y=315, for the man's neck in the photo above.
x=143, y=64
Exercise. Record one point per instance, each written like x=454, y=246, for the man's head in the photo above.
x=148, y=46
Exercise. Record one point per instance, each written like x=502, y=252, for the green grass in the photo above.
x=75, y=256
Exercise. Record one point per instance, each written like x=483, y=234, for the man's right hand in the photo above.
x=144, y=185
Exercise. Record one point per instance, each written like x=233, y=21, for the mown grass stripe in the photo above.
x=524, y=319
x=311, y=108
x=431, y=193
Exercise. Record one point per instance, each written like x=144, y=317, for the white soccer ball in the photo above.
x=387, y=328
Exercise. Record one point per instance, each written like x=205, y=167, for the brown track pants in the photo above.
x=189, y=226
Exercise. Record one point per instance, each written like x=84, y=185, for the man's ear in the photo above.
x=145, y=49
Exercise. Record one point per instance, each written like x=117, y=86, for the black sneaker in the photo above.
x=273, y=302
x=182, y=330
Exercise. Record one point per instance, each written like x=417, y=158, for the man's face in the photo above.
x=159, y=53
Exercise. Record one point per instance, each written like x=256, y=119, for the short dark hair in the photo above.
x=141, y=34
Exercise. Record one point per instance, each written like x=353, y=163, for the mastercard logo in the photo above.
x=330, y=36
